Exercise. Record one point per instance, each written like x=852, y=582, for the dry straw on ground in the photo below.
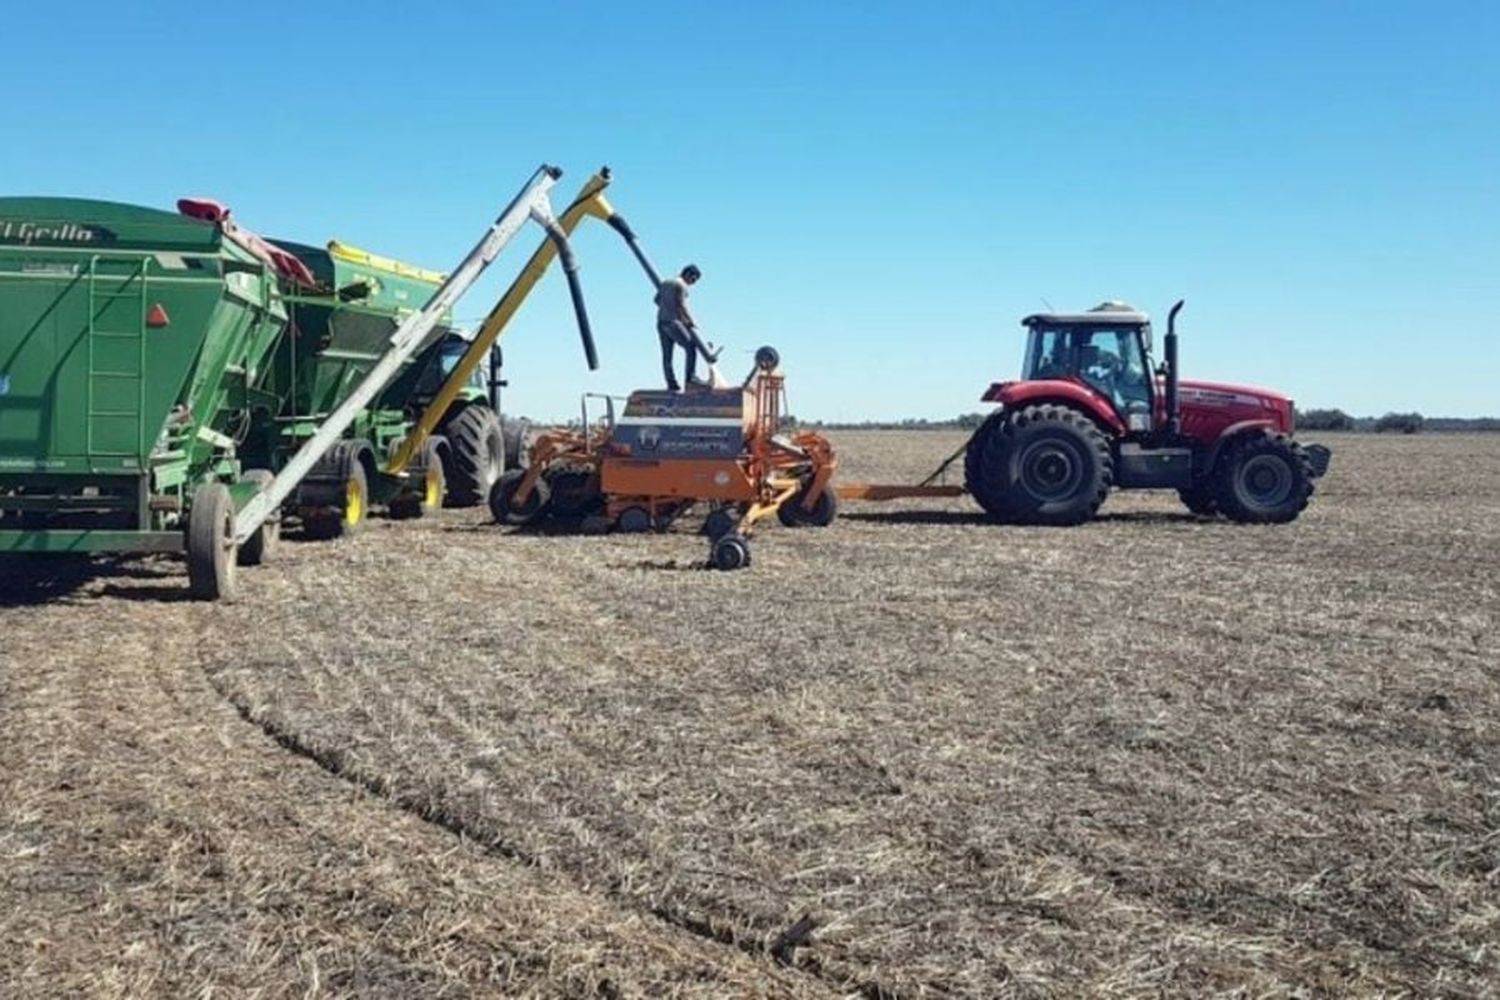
x=913, y=754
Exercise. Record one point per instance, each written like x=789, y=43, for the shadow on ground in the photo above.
x=36, y=579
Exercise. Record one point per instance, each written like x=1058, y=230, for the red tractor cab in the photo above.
x=1091, y=413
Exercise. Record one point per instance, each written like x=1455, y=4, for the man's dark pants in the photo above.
x=672, y=334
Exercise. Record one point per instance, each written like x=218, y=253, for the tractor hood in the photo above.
x=1219, y=405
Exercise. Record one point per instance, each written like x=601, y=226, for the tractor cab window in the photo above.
x=1111, y=360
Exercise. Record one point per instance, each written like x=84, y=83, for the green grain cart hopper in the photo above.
x=130, y=340
x=337, y=333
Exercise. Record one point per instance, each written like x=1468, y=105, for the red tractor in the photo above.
x=1089, y=414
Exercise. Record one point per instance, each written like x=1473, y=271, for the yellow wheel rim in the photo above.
x=432, y=493
x=354, y=502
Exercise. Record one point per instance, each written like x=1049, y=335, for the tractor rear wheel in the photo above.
x=1200, y=499
x=477, y=445
x=263, y=542
x=1044, y=464
x=824, y=509
x=974, y=457
x=210, y=543
x=1263, y=478
x=503, y=495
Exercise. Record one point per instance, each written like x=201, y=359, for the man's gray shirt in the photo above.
x=669, y=299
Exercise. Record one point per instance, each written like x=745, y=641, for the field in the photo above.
x=909, y=755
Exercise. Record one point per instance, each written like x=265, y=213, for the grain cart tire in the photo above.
x=503, y=494
x=575, y=493
x=353, y=507
x=974, y=457
x=210, y=544
x=1263, y=478
x=429, y=485
x=265, y=540
x=477, y=449
x=1200, y=500
x=1045, y=464
x=517, y=435
x=824, y=510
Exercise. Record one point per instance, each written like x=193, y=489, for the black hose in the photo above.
x=575, y=289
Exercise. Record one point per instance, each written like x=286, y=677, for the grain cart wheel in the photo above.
x=427, y=491
x=824, y=510
x=1200, y=499
x=974, y=457
x=263, y=542
x=477, y=446
x=503, y=494
x=720, y=522
x=210, y=543
x=575, y=493
x=730, y=552
x=634, y=521
x=1045, y=465
x=1263, y=478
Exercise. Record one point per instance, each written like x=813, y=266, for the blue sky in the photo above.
x=880, y=190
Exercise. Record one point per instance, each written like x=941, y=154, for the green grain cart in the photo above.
x=337, y=333
x=130, y=342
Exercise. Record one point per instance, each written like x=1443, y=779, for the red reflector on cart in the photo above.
x=157, y=317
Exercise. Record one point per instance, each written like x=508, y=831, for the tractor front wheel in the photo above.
x=1044, y=464
x=1263, y=478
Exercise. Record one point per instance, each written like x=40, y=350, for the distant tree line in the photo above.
x=1307, y=420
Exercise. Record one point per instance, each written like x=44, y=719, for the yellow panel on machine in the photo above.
x=375, y=262
x=668, y=451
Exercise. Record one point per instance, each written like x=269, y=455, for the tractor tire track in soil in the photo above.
x=154, y=844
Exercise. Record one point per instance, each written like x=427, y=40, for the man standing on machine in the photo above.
x=674, y=326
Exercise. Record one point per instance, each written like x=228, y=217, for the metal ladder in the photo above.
x=124, y=391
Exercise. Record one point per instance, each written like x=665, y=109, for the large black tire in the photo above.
x=517, y=434
x=974, y=457
x=1200, y=499
x=1263, y=478
x=263, y=542
x=824, y=510
x=477, y=449
x=348, y=517
x=1044, y=464
x=210, y=543
x=427, y=491
x=502, y=500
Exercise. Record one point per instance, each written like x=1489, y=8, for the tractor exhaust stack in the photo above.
x=1174, y=404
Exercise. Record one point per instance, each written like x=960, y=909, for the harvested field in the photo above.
x=909, y=755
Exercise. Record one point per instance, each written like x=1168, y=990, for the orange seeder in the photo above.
x=667, y=452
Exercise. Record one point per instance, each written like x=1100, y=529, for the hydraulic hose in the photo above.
x=575, y=288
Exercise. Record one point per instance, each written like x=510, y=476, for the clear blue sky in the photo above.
x=880, y=190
